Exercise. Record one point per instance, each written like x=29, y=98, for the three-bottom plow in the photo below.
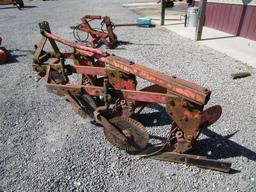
x=107, y=92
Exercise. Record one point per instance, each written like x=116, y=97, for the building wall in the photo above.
x=232, y=17
x=249, y=25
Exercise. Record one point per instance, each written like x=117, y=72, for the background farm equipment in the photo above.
x=105, y=34
x=99, y=36
x=107, y=93
x=18, y=3
x=3, y=55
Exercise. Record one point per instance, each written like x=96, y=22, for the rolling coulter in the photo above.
x=107, y=93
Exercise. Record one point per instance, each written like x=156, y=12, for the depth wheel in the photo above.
x=136, y=134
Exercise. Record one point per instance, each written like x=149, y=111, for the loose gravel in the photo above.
x=44, y=146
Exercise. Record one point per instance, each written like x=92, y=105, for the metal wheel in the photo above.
x=136, y=134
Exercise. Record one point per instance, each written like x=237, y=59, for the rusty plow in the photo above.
x=106, y=92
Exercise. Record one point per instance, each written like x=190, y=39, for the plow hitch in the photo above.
x=107, y=92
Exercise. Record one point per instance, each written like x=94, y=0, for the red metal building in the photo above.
x=237, y=17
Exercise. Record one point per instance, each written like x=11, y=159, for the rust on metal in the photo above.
x=108, y=90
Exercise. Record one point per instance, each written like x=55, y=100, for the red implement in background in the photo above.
x=3, y=56
x=107, y=93
x=104, y=35
x=18, y=3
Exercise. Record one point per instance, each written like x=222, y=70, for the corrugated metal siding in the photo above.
x=248, y=29
x=234, y=2
x=224, y=17
x=231, y=18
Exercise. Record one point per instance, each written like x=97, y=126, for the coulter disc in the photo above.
x=136, y=134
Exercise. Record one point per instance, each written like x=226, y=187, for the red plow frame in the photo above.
x=109, y=84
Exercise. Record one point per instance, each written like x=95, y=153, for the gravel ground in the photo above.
x=44, y=146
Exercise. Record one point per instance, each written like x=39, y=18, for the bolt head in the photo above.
x=101, y=97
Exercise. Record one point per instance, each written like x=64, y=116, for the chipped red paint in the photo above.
x=74, y=45
x=174, y=84
x=125, y=84
x=90, y=70
x=144, y=96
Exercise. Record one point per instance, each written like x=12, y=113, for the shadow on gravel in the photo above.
x=215, y=146
x=220, y=147
x=24, y=8
x=214, y=38
x=120, y=43
x=156, y=118
x=29, y=7
x=158, y=139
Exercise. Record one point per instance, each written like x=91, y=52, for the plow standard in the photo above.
x=107, y=93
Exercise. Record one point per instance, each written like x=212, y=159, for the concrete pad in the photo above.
x=236, y=47
x=140, y=4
